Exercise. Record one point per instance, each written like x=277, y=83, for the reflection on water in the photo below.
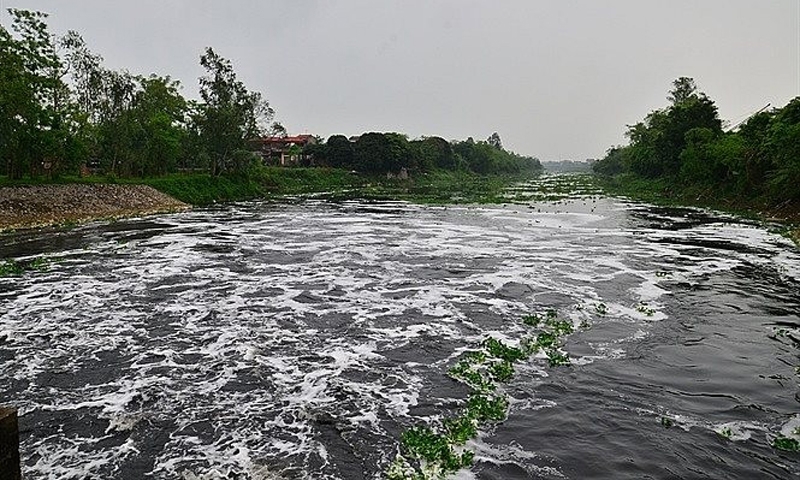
x=297, y=341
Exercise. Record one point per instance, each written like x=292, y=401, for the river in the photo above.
x=299, y=339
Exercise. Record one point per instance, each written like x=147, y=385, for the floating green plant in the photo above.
x=601, y=308
x=433, y=452
x=461, y=429
x=485, y=408
x=11, y=268
x=786, y=444
x=555, y=358
x=725, y=433
x=424, y=443
x=560, y=327
x=502, y=351
x=667, y=422
x=546, y=340
x=643, y=308
x=502, y=371
x=532, y=320
x=470, y=374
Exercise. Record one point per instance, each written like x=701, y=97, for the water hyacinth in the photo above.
x=435, y=452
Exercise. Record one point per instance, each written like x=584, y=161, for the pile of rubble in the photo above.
x=41, y=205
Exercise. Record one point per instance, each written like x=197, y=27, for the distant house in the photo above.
x=285, y=151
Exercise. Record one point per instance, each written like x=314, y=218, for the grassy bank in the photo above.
x=270, y=182
x=203, y=189
x=435, y=187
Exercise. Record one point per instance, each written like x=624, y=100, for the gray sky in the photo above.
x=557, y=79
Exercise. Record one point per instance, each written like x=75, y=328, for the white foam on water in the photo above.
x=237, y=330
x=512, y=454
x=791, y=429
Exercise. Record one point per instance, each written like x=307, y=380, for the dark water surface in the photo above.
x=267, y=341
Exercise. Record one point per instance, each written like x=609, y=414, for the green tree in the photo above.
x=158, y=112
x=32, y=95
x=229, y=114
x=434, y=153
x=376, y=152
x=340, y=153
x=658, y=141
x=494, y=140
x=782, y=144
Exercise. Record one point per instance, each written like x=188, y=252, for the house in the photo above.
x=285, y=151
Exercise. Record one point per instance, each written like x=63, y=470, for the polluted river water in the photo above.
x=301, y=339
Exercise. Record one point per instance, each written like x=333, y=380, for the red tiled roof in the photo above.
x=293, y=139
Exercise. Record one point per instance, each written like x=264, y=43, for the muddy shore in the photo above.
x=34, y=206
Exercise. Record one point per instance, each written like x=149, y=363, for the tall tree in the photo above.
x=230, y=114
x=494, y=140
x=683, y=88
x=32, y=95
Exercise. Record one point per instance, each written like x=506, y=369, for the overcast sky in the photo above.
x=557, y=79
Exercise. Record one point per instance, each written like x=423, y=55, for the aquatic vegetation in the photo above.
x=645, y=309
x=561, y=327
x=502, y=351
x=667, y=422
x=532, y=320
x=469, y=373
x=461, y=429
x=601, y=308
x=424, y=443
x=11, y=268
x=555, y=358
x=502, y=371
x=725, y=432
x=433, y=452
x=484, y=408
x=786, y=444
x=546, y=340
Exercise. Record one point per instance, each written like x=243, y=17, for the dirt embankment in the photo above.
x=42, y=205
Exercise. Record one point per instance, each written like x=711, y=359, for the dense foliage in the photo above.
x=63, y=113
x=61, y=110
x=685, y=145
x=377, y=152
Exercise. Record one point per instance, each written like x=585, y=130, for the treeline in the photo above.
x=63, y=113
x=61, y=109
x=377, y=153
x=685, y=143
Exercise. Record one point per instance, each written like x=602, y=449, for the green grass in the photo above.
x=201, y=189
x=267, y=182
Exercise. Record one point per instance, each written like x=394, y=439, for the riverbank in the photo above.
x=31, y=206
x=78, y=200
x=438, y=187
x=663, y=192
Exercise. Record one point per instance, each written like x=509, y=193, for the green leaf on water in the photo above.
x=502, y=351
x=502, y=371
x=461, y=429
x=556, y=358
x=484, y=408
x=786, y=444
